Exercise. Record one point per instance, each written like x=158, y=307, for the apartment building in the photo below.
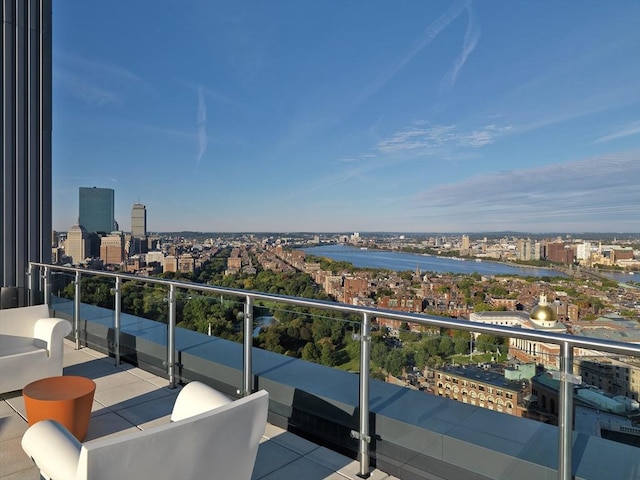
x=482, y=387
x=112, y=248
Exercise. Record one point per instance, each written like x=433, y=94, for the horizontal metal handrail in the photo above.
x=566, y=343
x=609, y=346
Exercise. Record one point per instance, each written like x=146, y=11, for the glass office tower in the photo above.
x=97, y=209
x=25, y=95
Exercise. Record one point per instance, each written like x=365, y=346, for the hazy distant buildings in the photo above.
x=559, y=252
x=583, y=251
x=138, y=220
x=138, y=242
x=77, y=244
x=170, y=264
x=524, y=250
x=186, y=263
x=465, y=245
x=97, y=209
x=112, y=248
x=234, y=264
x=154, y=257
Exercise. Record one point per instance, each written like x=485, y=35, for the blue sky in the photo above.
x=412, y=116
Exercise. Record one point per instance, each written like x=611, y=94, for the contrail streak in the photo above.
x=429, y=34
x=201, y=125
x=471, y=37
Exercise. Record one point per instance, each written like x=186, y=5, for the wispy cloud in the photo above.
x=625, y=131
x=86, y=90
x=201, y=124
x=471, y=37
x=563, y=113
x=427, y=36
x=96, y=83
x=595, y=193
x=321, y=184
x=447, y=141
x=427, y=138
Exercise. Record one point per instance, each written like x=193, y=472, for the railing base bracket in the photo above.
x=557, y=375
x=360, y=436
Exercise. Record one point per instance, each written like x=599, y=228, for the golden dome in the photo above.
x=543, y=313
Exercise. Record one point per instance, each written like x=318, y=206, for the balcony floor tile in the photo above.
x=129, y=399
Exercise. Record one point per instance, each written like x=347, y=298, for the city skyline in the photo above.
x=358, y=116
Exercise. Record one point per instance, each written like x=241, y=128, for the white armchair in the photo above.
x=209, y=437
x=31, y=346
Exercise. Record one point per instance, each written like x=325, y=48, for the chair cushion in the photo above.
x=14, y=345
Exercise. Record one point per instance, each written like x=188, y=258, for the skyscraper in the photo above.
x=138, y=220
x=78, y=244
x=97, y=209
x=25, y=144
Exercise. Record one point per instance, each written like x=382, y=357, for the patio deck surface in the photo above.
x=128, y=399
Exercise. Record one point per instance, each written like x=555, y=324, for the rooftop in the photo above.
x=491, y=377
x=128, y=398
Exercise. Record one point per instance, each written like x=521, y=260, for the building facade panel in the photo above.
x=97, y=209
x=25, y=228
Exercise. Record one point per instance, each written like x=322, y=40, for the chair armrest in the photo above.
x=53, y=449
x=51, y=331
x=196, y=398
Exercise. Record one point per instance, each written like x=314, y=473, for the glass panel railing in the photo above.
x=451, y=358
x=61, y=289
x=320, y=336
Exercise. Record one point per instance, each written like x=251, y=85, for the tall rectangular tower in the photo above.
x=25, y=144
x=97, y=209
x=138, y=220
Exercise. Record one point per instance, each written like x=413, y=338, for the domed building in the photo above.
x=77, y=244
x=542, y=317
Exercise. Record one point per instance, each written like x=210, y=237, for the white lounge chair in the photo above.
x=209, y=437
x=30, y=346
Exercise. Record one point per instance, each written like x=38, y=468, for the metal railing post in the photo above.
x=76, y=310
x=171, y=337
x=46, y=276
x=30, y=285
x=363, y=435
x=116, y=319
x=247, y=365
x=565, y=420
x=566, y=344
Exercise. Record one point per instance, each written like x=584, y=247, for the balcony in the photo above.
x=372, y=427
x=129, y=398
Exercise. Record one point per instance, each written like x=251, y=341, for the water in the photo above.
x=400, y=261
x=622, y=277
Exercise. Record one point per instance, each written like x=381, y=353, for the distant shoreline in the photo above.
x=466, y=259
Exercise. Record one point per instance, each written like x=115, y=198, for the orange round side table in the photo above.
x=67, y=399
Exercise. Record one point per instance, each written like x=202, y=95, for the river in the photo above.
x=622, y=277
x=400, y=261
